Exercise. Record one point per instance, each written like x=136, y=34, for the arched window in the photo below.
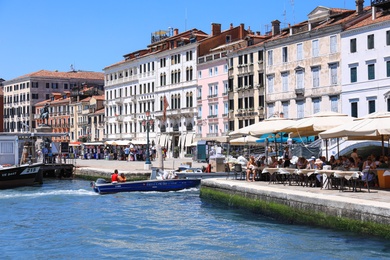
x=187, y=99
x=161, y=79
x=178, y=101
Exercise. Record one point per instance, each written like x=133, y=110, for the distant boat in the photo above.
x=18, y=176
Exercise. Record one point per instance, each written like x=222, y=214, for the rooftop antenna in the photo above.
x=293, y=10
x=185, y=25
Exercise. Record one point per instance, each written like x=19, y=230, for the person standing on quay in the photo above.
x=286, y=157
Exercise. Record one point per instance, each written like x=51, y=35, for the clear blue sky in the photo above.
x=53, y=34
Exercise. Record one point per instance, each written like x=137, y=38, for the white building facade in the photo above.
x=365, y=59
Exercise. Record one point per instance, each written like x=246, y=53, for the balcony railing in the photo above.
x=119, y=100
x=300, y=91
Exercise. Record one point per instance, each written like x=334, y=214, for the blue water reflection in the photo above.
x=66, y=220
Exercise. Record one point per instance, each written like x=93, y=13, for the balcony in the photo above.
x=119, y=101
x=212, y=96
x=189, y=127
x=120, y=118
x=300, y=92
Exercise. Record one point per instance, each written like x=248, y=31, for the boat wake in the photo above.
x=6, y=194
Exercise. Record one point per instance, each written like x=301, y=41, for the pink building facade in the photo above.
x=212, y=95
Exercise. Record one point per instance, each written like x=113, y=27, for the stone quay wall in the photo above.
x=340, y=212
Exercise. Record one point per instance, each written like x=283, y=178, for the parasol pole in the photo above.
x=383, y=145
x=338, y=148
x=266, y=151
x=326, y=144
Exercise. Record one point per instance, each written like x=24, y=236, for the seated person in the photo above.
x=114, y=176
x=280, y=163
x=310, y=163
x=302, y=163
x=121, y=177
x=251, y=167
x=318, y=164
x=369, y=175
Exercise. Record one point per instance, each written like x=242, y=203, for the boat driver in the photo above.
x=114, y=176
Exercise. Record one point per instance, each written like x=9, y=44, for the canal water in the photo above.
x=66, y=220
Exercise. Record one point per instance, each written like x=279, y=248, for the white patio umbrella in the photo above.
x=245, y=140
x=317, y=123
x=267, y=126
x=374, y=126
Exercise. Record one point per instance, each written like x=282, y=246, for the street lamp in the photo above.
x=147, y=122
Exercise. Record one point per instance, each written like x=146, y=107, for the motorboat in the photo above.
x=102, y=186
x=159, y=181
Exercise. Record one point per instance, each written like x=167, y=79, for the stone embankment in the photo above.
x=362, y=212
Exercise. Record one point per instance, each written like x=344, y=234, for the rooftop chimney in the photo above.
x=275, y=27
x=175, y=32
x=359, y=6
x=231, y=26
x=215, y=29
x=241, y=33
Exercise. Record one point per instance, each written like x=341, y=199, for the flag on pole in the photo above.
x=165, y=108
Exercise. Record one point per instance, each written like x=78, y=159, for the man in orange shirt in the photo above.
x=114, y=176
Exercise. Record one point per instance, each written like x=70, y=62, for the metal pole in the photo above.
x=147, y=161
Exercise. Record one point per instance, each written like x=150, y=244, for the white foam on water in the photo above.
x=31, y=194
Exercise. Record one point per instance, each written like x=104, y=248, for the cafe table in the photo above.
x=287, y=172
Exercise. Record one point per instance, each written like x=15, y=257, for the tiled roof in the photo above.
x=101, y=97
x=56, y=101
x=99, y=111
x=66, y=75
x=380, y=17
x=86, y=99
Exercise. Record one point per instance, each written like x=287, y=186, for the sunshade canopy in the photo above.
x=374, y=126
x=270, y=125
x=317, y=123
x=245, y=140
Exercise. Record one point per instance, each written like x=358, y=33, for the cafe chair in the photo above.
x=239, y=171
x=325, y=181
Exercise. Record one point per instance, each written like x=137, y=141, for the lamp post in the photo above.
x=146, y=123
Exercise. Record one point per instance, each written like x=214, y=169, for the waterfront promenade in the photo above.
x=133, y=166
